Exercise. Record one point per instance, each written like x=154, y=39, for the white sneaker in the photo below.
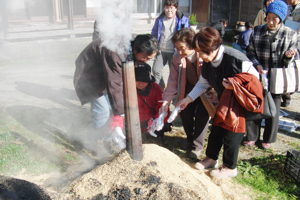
x=223, y=172
x=206, y=163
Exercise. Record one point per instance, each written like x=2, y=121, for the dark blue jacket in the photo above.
x=244, y=38
x=181, y=22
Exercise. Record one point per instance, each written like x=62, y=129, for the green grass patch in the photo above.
x=267, y=178
x=15, y=156
x=71, y=157
x=24, y=151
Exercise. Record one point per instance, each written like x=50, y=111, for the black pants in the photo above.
x=286, y=98
x=195, y=120
x=231, y=141
x=271, y=125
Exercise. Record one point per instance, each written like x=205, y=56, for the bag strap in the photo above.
x=297, y=63
x=147, y=104
x=284, y=80
x=297, y=77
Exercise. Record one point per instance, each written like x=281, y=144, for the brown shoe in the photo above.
x=223, y=172
x=206, y=163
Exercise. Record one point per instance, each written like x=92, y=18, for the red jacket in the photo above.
x=152, y=99
x=247, y=94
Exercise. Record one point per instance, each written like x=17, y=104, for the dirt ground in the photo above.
x=163, y=173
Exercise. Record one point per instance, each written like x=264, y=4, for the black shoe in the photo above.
x=160, y=142
x=284, y=104
x=167, y=127
x=194, y=154
x=186, y=145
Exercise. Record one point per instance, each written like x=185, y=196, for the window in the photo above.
x=154, y=7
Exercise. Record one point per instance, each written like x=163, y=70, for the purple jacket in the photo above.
x=181, y=22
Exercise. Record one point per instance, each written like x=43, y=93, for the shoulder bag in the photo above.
x=286, y=79
x=269, y=104
x=269, y=109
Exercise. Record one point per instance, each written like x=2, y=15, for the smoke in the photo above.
x=54, y=101
x=15, y=5
x=114, y=25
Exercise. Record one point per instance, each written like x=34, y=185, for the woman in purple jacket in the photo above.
x=170, y=21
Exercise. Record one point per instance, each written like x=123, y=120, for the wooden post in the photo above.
x=132, y=118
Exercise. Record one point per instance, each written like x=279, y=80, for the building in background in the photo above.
x=57, y=10
x=207, y=11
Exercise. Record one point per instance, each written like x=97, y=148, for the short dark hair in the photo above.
x=171, y=3
x=145, y=43
x=224, y=21
x=207, y=39
x=265, y=3
x=248, y=25
x=185, y=35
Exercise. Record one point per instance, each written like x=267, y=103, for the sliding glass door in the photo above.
x=155, y=7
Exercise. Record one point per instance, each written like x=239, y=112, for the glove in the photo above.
x=116, y=121
x=119, y=138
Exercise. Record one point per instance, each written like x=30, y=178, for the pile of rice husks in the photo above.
x=160, y=175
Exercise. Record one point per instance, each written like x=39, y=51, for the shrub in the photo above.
x=193, y=19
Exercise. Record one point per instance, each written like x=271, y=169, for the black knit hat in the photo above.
x=143, y=73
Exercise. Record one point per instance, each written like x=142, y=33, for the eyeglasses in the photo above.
x=144, y=57
x=181, y=48
x=170, y=8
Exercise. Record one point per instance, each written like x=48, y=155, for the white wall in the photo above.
x=93, y=3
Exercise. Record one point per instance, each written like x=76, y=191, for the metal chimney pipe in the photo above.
x=132, y=118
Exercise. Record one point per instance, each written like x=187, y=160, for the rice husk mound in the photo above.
x=160, y=175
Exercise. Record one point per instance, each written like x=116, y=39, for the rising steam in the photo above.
x=114, y=25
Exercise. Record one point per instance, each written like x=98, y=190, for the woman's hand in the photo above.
x=261, y=70
x=290, y=53
x=184, y=102
x=164, y=107
x=227, y=84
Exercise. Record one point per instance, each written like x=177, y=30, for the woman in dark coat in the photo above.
x=98, y=77
x=272, y=45
x=220, y=64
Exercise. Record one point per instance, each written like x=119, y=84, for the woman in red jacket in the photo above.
x=149, y=96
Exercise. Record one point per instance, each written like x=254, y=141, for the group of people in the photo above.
x=198, y=62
